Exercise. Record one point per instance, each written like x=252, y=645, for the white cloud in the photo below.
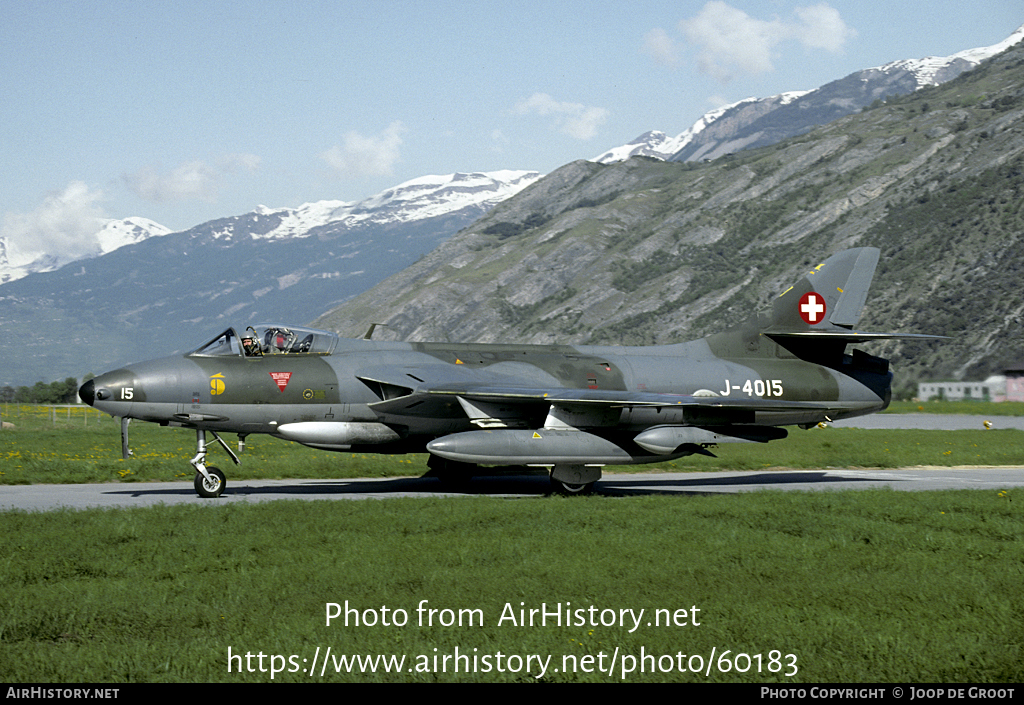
x=66, y=224
x=499, y=141
x=359, y=155
x=732, y=42
x=661, y=47
x=191, y=181
x=574, y=119
x=821, y=27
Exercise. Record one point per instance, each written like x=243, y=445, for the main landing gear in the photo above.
x=451, y=473
x=565, y=479
x=210, y=481
x=574, y=479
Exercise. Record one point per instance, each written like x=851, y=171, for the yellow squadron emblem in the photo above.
x=217, y=384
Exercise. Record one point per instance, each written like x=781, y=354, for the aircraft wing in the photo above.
x=492, y=400
x=621, y=399
x=564, y=396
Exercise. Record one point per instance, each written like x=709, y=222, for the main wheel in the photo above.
x=572, y=487
x=450, y=473
x=210, y=488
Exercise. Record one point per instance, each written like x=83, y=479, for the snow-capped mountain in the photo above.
x=128, y=231
x=661, y=146
x=650, y=144
x=933, y=70
x=416, y=199
x=430, y=196
x=756, y=122
x=15, y=264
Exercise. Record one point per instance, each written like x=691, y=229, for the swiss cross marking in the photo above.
x=812, y=308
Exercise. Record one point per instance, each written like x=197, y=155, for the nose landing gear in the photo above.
x=211, y=484
x=210, y=481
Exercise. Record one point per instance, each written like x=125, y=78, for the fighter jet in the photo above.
x=569, y=409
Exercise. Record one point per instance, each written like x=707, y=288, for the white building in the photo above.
x=992, y=389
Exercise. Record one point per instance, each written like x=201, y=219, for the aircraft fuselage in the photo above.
x=264, y=394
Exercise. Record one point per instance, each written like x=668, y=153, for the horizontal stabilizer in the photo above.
x=852, y=336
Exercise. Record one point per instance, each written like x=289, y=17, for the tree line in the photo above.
x=65, y=392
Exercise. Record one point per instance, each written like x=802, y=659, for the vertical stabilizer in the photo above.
x=830, y=297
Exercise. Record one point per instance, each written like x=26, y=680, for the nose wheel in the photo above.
x=211, y=484
x=210, y=481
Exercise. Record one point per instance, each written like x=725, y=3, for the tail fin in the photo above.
x=827, y=302
x=830, y=296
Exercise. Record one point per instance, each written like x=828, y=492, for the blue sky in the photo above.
x=184, y=111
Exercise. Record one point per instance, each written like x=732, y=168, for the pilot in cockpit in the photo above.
x=251, y=344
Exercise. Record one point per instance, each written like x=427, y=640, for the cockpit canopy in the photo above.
x=270, y=339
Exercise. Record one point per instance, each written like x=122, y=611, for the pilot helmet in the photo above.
x=250, y=344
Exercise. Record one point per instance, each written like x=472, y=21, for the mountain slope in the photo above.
x=645, y=251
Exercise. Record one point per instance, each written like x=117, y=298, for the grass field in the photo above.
x=864, y=586
x=75, y=448
x=867, y=586
x=979, y=408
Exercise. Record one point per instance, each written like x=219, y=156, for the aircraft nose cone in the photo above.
x=90, y=394
x=87, y=392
